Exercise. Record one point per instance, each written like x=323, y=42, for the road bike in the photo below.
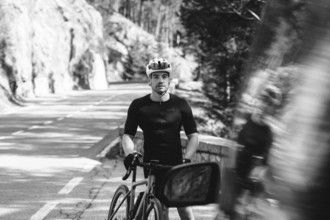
x=126, y=206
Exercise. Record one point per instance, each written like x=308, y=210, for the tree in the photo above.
x=220, y=36
x=158, y=17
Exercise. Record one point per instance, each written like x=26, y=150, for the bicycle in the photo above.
x=124, y=206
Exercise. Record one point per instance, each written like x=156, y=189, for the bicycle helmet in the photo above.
x=272, y=95
x=158, y=65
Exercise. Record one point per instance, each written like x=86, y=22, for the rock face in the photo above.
x=121, y=35
x=55, y=46
x=50, y=47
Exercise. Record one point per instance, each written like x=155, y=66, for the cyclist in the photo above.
x=256, y=135
x=161, y=115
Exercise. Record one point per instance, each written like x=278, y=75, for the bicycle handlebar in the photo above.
x=153, y=164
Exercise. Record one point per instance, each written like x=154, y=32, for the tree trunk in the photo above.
x=128, y=9
x=140, y=13
x=159, y=23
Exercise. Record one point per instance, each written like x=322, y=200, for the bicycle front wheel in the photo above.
x=155, y=210
x=119, y=206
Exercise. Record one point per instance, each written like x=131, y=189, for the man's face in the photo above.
x=159, y=82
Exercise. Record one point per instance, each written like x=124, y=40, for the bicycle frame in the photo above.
x=148, y=192
x=168, y=194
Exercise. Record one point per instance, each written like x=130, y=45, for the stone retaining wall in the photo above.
x=210, y=148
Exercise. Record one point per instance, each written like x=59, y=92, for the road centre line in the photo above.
x=47, y=122
x=33, y=127
x=17, y=132
x=61, y=118
x=44, y=211
x=70, y=185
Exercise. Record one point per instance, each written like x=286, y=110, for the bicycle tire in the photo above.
x=155, y=210
x=117, y=198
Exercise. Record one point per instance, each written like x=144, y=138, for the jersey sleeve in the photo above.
x=131, y=123
x=188, y=120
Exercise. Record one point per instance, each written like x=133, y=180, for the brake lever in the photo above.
x=135, y=162
x=128, y=172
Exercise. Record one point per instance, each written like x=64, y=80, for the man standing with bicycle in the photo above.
x=161, y=115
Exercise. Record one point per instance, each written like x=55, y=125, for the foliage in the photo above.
x=139, y=55
x=157, y=17
x=220, y=37
x=218, y=32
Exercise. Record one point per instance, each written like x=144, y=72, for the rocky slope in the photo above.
x=55, y=46
x=122, y=36
x=45, y=45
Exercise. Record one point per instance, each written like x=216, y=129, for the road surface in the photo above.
x=50, y=164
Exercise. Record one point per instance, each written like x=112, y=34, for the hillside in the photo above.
x=56, y=46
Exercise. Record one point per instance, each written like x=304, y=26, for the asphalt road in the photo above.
x=50, y=164
x=48, y=151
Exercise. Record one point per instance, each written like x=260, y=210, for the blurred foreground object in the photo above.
x=292, y=52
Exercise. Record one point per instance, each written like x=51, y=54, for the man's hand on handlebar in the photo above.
x=130, y=158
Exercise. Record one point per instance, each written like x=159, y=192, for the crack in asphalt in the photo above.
x=93, y=192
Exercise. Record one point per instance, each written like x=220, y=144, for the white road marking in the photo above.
x=48, y=122
x=33, y=127
x=44, y=211
x=59, y=119
x=17, y=132
x=70, y=185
